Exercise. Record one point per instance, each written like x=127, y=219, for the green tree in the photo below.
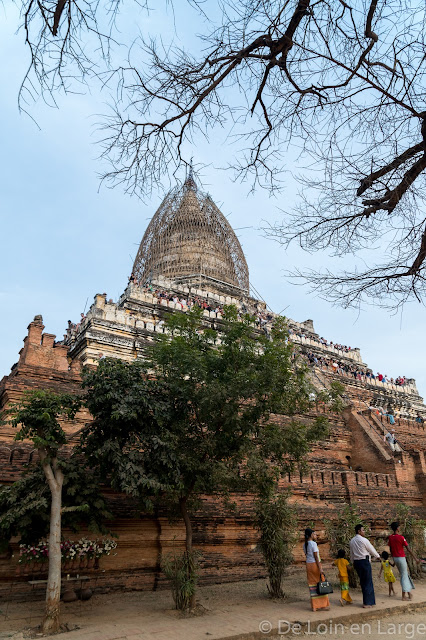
x=342, y=530
x=25, y=505
x=275, y=518
x=333, y=398
x=201, y=415
x=37, y=417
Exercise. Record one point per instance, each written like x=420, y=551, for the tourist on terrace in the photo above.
x=82, y=319
x=389, y=437
x=71, y=328
x=361, y=551
x=314, y=571
x=398, y=545
x=396, y=445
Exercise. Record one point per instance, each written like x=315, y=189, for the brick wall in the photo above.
x=226, y=538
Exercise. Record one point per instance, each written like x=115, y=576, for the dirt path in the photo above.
x=225, y=610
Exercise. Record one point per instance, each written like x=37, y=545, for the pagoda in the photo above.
x=189, y=254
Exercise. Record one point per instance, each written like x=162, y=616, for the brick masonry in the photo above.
x=352, y=466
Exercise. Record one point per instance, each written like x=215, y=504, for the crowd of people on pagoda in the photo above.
x=262, y=316
x=351, y=370
x=322, y=341
x=181, y=300
x=263, y=319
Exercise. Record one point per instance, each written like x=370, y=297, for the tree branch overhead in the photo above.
x=343, y=81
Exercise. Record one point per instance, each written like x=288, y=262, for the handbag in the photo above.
x=324, y=587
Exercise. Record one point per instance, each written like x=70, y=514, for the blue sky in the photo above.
x=64, y=238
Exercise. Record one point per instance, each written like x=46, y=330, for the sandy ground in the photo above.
x=105, y=611
x=110, y=607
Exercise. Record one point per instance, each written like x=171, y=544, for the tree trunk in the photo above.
x=187, y=521
x=51, y=621
x=188, y=538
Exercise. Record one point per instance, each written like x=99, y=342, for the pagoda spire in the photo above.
x=188, y=235
x=190, y=179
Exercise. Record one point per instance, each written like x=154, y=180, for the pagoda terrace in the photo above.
x=190, y=256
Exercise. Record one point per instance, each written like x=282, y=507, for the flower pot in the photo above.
x=90, y=563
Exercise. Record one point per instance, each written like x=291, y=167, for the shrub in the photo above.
x=182, y=571
x=276, y=520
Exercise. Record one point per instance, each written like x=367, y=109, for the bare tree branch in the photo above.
x=343, y=80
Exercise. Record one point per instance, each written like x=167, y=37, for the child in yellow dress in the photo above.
x=387, y=572
x=342, y=567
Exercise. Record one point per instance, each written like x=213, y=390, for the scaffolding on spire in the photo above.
x=189, y=236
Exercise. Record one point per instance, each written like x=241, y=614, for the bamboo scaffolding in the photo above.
x=188, y=234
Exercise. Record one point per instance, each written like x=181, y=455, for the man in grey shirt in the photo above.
x=361, y=550
x=390, y=439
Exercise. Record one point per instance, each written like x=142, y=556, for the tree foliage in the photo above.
x=25, y=505
x=128, y=440
x=206, y=406
x=341, y=530
x=334, y=397
x=201, y=415
x=38, y=418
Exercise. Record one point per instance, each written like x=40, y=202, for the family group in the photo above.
x=361, y=552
